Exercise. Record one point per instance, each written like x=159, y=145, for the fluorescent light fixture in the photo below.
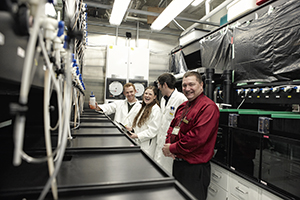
x=118, y=11
x=197, y=2
x=171, y=11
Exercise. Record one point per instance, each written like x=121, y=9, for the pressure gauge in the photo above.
x=140, y=88
x=115, y=88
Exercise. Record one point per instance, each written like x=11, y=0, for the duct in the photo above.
x=213, y=12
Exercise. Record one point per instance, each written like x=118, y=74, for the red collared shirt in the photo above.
x=198, y=131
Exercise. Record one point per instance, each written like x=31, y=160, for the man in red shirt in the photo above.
x=192, y=135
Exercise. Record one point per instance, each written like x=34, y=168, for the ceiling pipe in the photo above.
x=207, y=8
x=137, y=34
x=126, y=28
x=213, y=12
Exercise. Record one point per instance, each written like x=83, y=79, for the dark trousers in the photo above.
x=194, y=177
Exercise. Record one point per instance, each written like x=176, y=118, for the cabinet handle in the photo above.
x=216, y=176
x=240, y=190
x=212, y=189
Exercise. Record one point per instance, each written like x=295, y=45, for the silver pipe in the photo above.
x=137, y=33
x=126, y=28
x=117, y=33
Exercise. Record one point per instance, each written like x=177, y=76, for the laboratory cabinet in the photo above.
x=215, y=192
x=242, y=189
x=218, y=188
x=260, y=148
x=226, y=185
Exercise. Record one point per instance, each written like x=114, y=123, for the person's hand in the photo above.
x=97, y=108
x=166, y=151
x=133, y=135
x=128, y=128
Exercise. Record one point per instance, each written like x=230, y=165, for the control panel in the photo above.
x=270, y=93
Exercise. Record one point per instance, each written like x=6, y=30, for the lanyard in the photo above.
x=185, y=111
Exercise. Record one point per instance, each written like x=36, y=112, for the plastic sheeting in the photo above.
x=177, y=63
x=216, y=50
x=287, y=41
x=268, y=49
x=252, y=59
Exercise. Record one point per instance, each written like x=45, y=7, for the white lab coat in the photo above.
x=120, y=108
x=147, y=133
x=175, y=100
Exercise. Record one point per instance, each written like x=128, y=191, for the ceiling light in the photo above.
x=118, y=11
x=173, y=9
x=197, y=2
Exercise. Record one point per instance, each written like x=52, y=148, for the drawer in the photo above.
x=242, y=189
x=219, y=176
x=215, y=192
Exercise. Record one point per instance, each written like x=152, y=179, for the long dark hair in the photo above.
x=145, y=110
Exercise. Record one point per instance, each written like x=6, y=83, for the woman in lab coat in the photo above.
x=147, y=122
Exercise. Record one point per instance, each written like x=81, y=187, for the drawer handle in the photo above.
x=240, y=190
x=212, y=189
x=216, y=176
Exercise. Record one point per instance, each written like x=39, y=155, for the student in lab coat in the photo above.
x=125, y=110
x=171, y=99
x=147, y=122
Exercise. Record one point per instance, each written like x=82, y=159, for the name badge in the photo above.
x=185, y=121
x=175, y=130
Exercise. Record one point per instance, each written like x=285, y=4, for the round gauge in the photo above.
x=139, y=89
x=115, y=88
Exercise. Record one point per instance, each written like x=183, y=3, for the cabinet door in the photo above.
x=116, y=62
x=138, y=63
x=219, y=176
x=215, y=192
x=242, y=189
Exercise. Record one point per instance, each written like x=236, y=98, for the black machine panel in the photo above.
x=114, y=88
x=277, y=93
x=140, y=86
x=281, y=163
